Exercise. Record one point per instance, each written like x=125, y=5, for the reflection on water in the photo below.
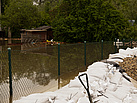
x=34, y=70
x=35, y=66
x=24, y=87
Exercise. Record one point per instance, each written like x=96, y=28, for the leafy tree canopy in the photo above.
x=22, y=14
x=90, y=20
x=72, y=20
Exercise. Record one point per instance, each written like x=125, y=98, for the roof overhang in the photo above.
x=39, y=29
x=34, y=30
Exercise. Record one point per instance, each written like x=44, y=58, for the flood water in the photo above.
x=35, y=68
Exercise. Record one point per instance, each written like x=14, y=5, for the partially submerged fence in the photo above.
x=23, y=72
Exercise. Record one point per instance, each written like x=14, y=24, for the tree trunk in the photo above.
x=9, y=33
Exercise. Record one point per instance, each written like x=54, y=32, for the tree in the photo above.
x=88, y=20
x=130, y=10
x=127, y=8
x=20, y=14
x=4, y=3
x=52, y=3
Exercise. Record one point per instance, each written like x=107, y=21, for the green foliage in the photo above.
x=127, y=7
x=72, y=20
x=4, y=3
x=88, y=20
x=50, y=4
x=22, y=14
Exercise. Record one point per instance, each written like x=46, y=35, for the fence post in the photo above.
x=85, y=53
x=58, y=82
x=101, y=49
x=115, y=45
x=123, y=43
x=131, y=42
x=10, y=72
x=58, y=59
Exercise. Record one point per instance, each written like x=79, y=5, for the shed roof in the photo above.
x=42, y=28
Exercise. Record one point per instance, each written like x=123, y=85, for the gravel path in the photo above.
x=129, y=64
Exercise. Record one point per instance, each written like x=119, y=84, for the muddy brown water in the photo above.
x=34, y=70
x=35, y=66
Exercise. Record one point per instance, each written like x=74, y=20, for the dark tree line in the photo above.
x=72, y=20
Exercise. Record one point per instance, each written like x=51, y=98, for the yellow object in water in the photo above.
x=48, y=41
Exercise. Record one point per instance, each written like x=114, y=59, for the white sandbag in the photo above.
x=97, y=69
x=126, y=83
x=101, y=99
x=120, y=93
x=132, y=51
x=111, y=87
x=111, y=67
x=117, y=78
x=135, y=51
x=127, y=99
x=134, y=91
x=59, y=101
x=115, y=60
x=133, y=101
x=38, y=98
x=71, y=101
x=102, y=85
x=83, y=100
x=110, y=74
x=94, y=85
x=116, y=55
x=111, y=98
x=75, y=83
x=98, y=65
x=70, y=93
x=134, y=98
x=92, y=79
x=77, y=95
x=124, y=52
x=97, y=72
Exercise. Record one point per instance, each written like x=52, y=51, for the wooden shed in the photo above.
x=39, y=34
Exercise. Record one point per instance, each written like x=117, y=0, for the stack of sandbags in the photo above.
x=124, y=53
x=108, y=85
